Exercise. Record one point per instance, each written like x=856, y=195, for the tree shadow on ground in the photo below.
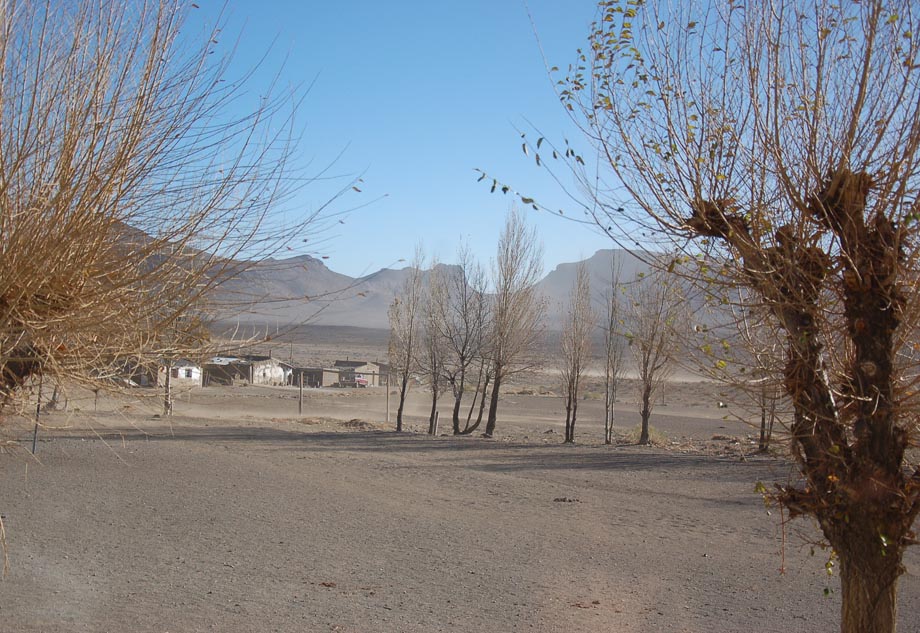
x=474, y=452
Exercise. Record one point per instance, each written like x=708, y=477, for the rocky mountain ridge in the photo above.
x=303, y=290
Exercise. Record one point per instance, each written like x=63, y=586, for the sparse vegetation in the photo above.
x=646, y=435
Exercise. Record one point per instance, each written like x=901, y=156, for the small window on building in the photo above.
x=188, y=373
x=174, y=372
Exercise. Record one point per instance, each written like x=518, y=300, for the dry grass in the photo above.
x=655, y=437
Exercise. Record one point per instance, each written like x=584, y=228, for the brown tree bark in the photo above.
x=167, y=391
x=455, y=415
x=493, y=404
x=481, y=394
x=857, y=488
x=403, y=389
x=571, y=439
x=569, y=434
x=646, y=412
x=434, y=410
x=869, y=600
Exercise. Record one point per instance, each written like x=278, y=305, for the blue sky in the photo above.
x=418, y=94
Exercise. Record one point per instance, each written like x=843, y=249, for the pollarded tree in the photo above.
x=779, y=143
x=517, y=307
x=130, y=183
x=576, y=346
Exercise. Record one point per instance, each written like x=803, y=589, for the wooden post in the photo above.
x=388, y=401
x=300, y=403
x=38, y=411
x=167, y=395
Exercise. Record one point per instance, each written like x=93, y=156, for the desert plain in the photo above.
x=239, y=514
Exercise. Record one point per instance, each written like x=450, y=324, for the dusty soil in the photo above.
x=240, y=515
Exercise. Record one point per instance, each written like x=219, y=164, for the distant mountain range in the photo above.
x=302, y=290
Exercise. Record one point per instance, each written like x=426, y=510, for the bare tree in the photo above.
x=760, y=374
x=614, y=346
x=736, y=343
x=576, y=346
x=517, y=310
x=462, y=313
x=128, y=188
x=783, y=139
x=652, y=336
x=433, y=358
x=405, y=316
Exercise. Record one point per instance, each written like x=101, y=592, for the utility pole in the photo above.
x=300, y=403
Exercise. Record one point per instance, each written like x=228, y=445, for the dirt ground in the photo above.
x=239, y=515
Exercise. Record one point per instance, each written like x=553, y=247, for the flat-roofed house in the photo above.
x=360, y=373
x=315, y=376
x=182, y=372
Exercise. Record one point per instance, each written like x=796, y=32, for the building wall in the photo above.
x=181, y=375
x=316, y=377
x=369, y=373
x=268, y=373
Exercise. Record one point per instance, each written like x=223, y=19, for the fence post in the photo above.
x=38, y=411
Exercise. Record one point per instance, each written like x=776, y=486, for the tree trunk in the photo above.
x=469, y=414
x=767, y=419
x=772, y=421
x=574, y=416
x=646, y=414
x=434, y=410
x=610, y=400
x=568, y=418
x=459, y=387
x=167, y=391
x=869, y=584
x=403, y=388
x=455, y=415
x=608, y=413
x=493, y=404
x=482, y=405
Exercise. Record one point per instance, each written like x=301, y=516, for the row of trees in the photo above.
x=642, y=320
x=468, y=331
x=459, y=329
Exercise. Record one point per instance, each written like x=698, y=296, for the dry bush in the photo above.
x=130, y=185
